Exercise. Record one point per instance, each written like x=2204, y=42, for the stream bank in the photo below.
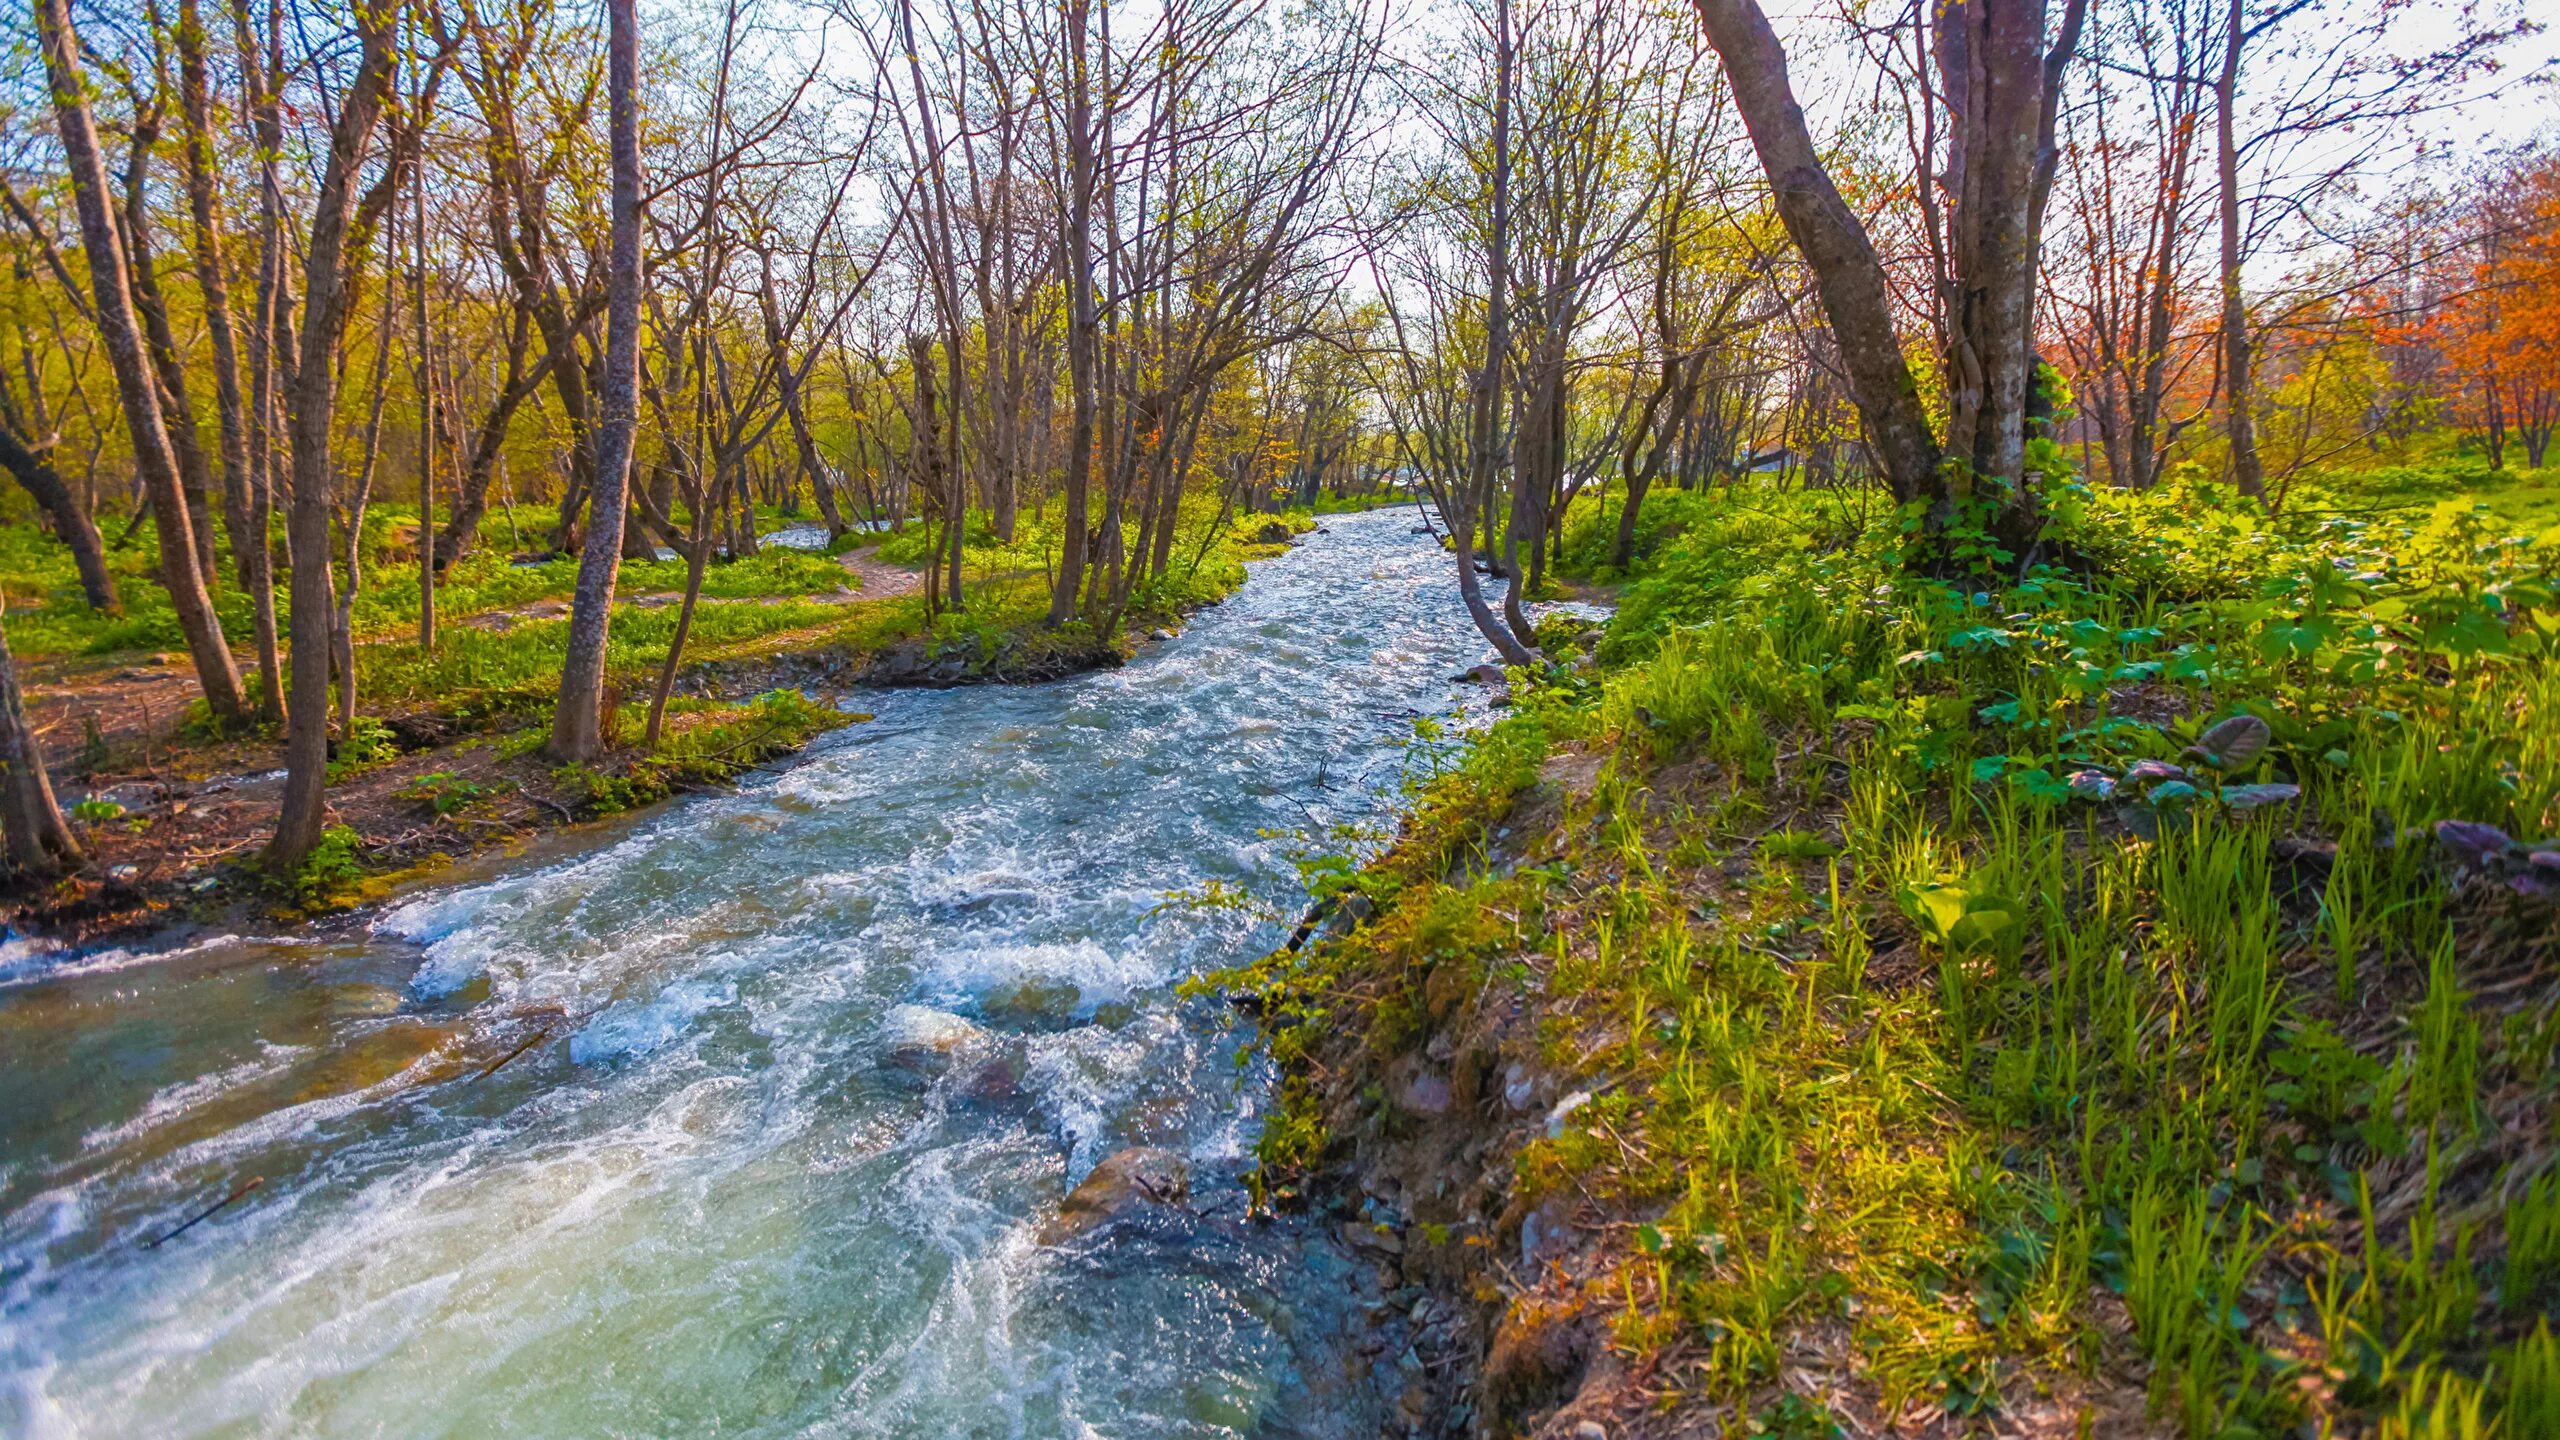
x=180, y=815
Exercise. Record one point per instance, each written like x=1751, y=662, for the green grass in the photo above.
x=2006, y=1046
x=49, y=619
x=2526, y=498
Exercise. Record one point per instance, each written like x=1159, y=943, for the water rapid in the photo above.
x=705, y=1199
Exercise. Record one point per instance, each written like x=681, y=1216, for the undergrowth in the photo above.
x=2055, y=971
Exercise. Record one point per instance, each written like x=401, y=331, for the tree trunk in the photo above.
x=135, y=384
x=1475, y=495
x=1847, y=274
x=1075, y=272
x=577, y=723
x=927, y=452
x=214, y=287
x=2001, y=87
x=488, y=450
x=38, y=842
x=310, y=419
x=697, y=557
x=427, y=416
x=266, y=329
x=2239, y=391
x=195, y=479
x=79, y=534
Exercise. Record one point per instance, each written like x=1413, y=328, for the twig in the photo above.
x=208, y=1212
x=522, y=1046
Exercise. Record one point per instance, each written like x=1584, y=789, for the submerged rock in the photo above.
x=925, y=1042
x=1032, y=1003
x=995, y=1082
x=1121, y=1185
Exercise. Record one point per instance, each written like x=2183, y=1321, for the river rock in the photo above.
x=1416, y=1090
x=996, y=1082
x=1371, y=1236
x=1031, y=1003
x=925, y=1042
x=1519, y=1087
x=1121, y=1185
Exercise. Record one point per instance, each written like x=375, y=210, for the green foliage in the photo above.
x=334, y=866
x=2149, y=1044
x=368, y=743
x=707, y=743
x=443, y=792
x=601, y=794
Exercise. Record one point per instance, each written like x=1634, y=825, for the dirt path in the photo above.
x=879, y=579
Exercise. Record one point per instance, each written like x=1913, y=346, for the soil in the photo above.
x=879, y=579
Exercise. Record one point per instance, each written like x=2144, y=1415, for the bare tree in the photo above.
x=577, y=728
x=1987, y=124
x=340, y=233
x=33, y=835
x=136, y=384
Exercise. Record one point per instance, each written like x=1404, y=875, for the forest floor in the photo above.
x=1833, y=1001
x=445, y=761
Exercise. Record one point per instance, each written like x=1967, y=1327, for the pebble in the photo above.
x=1590, y=1430
x=1370, y=1237
x=1564, y=1111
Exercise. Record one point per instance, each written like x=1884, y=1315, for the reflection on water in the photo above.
x=700, y=1198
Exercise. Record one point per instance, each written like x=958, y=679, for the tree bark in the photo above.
x=214, y=287
x=1847, y=273
x=38, y=842
x=488, y=445
x=577, y=723
x=1484, y=422
x=136, y=386
x=1075, y=272
x=79, y=534
x=195, y=478
x=427, y=417
x=266, y=345
x=2239, y=390
x=310, y=415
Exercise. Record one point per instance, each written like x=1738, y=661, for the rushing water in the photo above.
x=704, y=1202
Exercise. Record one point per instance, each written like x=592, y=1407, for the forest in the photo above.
x=1992, y=871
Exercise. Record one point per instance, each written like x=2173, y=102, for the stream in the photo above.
x=705, y=1198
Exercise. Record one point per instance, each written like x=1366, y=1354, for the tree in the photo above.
x=577, y=723
x=1484, y=421
x=1986, y=148
x=24, y=456
x=2499, y=330
x=2122, y=280
x=36, y=840
x=137, y=386
x=2343, y=79
x=341, y=231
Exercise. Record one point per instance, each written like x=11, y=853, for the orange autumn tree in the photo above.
x=2499, y=332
